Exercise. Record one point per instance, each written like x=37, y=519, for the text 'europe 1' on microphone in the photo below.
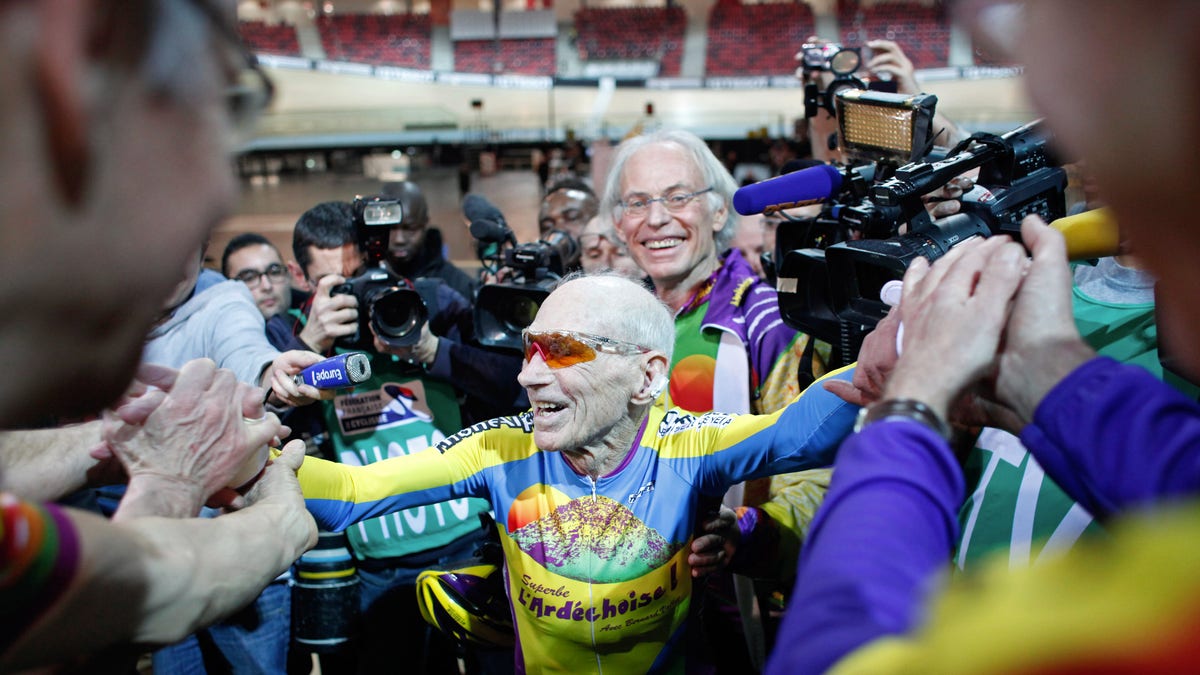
x=799, y=188
x=336, y=372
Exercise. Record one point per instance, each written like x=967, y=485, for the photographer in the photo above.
x=399, y=408
x=1113, y=437
x=415, y=248
x=886, y=68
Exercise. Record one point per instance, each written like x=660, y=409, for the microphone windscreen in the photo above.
x=798, y=188
x=1091, y=234
x=358, y=367
x=476, y=208
x=489, y=231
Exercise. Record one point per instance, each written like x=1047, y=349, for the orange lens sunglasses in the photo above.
x=562, y=348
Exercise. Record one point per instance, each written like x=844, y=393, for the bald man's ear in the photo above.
x=654, y=380
x=59, y=78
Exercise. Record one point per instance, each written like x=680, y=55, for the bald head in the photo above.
x=612, y=306
x=408, y=236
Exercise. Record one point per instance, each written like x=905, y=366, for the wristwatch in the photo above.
x=902, y=408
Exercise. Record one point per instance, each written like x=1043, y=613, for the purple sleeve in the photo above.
x=876, y=546
x=1113, y=436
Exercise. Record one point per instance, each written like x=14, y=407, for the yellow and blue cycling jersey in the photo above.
x=596, y=570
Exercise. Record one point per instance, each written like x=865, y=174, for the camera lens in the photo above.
x=397, y=313
x=520, y=313
x=845, y=62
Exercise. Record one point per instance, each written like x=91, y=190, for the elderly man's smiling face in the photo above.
x=577, y=406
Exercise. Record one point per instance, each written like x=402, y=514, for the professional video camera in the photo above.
x=504, y=309
x=1018, y=177
x=830, y=269
x=387, y=302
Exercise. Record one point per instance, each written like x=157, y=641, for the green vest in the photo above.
x=399, y=412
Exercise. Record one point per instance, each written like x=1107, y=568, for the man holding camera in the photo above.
x=567, y=207
x=399, y=409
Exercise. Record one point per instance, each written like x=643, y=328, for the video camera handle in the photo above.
x=911, y=181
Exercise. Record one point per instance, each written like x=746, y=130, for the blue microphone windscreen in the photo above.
x=806, y=186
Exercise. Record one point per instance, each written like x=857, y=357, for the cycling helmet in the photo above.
x=467, y=603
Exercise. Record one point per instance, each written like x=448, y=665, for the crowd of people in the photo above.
x=668, y=476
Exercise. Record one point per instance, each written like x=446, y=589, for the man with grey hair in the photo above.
x=596, y=490
x=671, y=202
x=102, y=100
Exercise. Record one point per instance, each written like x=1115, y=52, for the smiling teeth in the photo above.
x=663, y=243
x=547, y=408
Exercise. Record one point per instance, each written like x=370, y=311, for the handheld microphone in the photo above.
x=799, y=188
x=487, y=223
x=1091, y=234
x=335, y=372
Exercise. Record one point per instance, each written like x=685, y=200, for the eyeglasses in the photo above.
x=253, y=278
x=562, y=348
x=674, y=201
x=247, y=98
x=994, y=24
x=251, y=91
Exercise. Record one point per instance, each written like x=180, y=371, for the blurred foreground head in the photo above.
x=1135, y=117
x=115, y=133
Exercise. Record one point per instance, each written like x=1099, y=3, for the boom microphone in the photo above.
x=487, y=223
x=799, y=188
x=335, y=372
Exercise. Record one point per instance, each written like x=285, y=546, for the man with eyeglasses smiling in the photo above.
x=596, y=490
x=671, y=203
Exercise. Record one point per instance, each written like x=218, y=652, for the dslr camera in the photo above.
x=843, y=62
x=389, y=306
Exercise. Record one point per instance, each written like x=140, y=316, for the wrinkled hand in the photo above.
x=331, y=316
x=1042, y=344
x=278, y=489
x=145, y=393
x=280, y=376
x=888, y=58
x=954, y=314
x=192, y=434
x=876, y=359
x=712, y=552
